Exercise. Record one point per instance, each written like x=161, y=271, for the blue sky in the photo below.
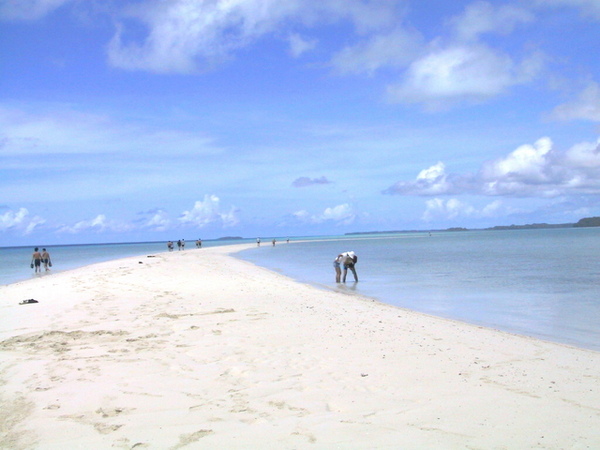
x=141, y=120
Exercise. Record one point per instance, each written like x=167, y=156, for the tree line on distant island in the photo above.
x=582, y=223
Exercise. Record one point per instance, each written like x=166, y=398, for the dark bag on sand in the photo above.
x=26, y=302
x=50, y=264
x=31, y=265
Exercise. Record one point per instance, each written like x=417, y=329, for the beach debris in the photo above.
x=364, y=374
x=29, y=300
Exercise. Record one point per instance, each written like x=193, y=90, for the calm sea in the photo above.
x=542, y=283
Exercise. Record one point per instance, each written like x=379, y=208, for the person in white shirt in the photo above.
x=349, y=259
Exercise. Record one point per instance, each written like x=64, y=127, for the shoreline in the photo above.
x=200, y=346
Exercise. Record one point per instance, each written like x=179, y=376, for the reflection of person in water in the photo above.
x=349, y=259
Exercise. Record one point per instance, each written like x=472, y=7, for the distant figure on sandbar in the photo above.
x=273, y=242
x=349, y=260
x=46, y=259
x=36, y=260
x=258, y=242
x=170, y=246
x=337, y=266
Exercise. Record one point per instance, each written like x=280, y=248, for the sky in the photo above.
x=149, y=120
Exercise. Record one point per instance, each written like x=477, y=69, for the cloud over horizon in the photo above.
x=529, y=171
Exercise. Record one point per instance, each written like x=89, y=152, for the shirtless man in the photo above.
x=36, y=260
x=46, y=259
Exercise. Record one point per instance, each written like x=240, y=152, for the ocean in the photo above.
x=542, y=283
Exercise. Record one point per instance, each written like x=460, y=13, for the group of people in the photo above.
x=38, y=258
x=348, y=260
x=181, y=244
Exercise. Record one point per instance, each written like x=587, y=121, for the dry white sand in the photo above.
x=198, y=349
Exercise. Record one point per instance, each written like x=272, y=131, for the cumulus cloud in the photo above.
x=585, y=107
x=19, y=220
x=306, y=181
x=528, y=171
x=432, y=181
x=208, y=211
x=340, y=214
x=159, y=221
x=456, y=73
x=464, y=68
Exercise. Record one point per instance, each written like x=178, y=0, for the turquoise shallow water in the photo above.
x=540, y=283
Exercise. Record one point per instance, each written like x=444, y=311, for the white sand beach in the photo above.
x=197, y=349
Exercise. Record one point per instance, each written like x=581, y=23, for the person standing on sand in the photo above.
x=337, y=266
x=46, y=259
x=274, y=242
x=349, y=259
x=258, y=242
x=170, y=246
x=36, y=260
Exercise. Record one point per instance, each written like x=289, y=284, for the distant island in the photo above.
x=229, y=238
x=582, y=223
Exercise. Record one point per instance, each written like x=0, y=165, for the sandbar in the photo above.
x=199, y=349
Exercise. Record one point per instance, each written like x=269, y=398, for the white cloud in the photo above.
x=19, y=220
x=208, y=211
x=28, y=9
x=437, y=208
x=340, y=214
x=159, y=221
x=464, y=68
x=395, y=49
x=457, y=73
x=527, y=164
x=482, y=17
x=189, y=35
x=430, y=181
x=585, y=107
x=529, y=171
x=448, y=209
x=98, y=224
